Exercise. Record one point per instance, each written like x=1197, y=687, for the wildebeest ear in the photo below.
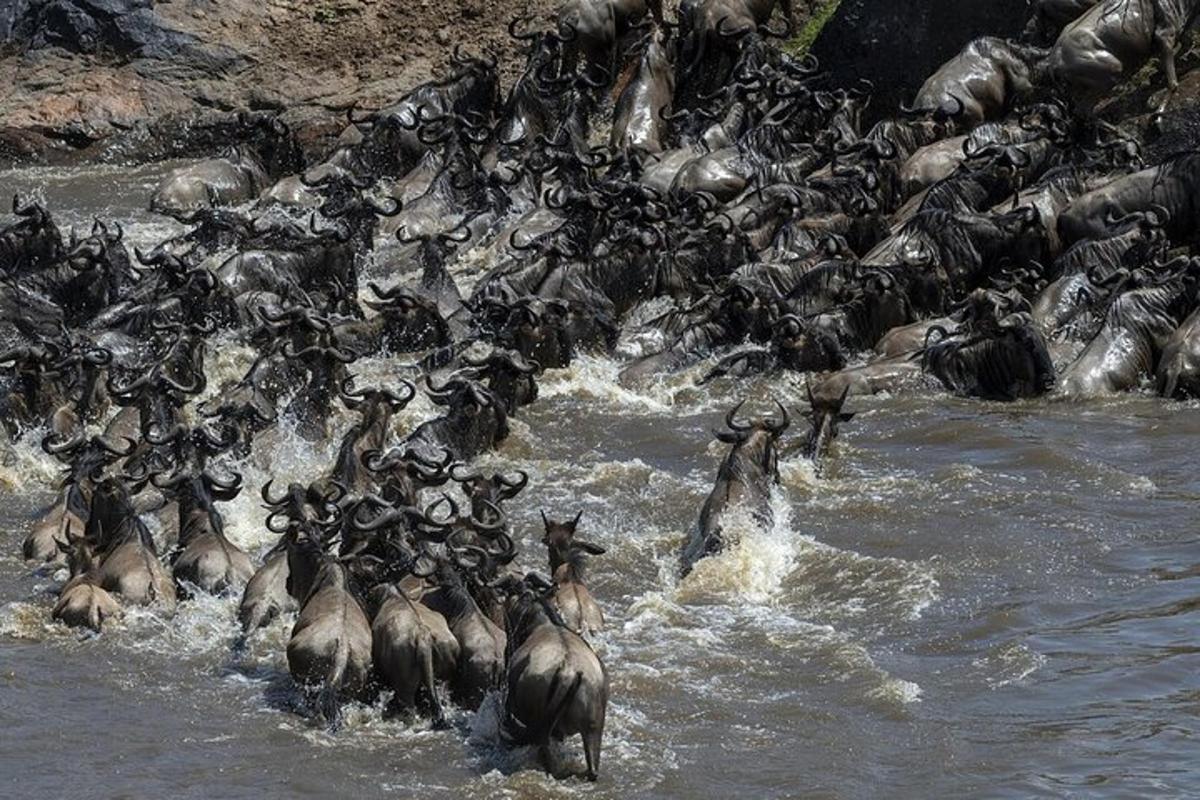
x=845, y=417
x=588, y=547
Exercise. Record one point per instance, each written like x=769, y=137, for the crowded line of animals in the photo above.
x=992, y=239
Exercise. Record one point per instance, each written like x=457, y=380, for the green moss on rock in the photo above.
x=802, y=42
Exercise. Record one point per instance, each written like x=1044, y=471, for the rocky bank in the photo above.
x=91, y=79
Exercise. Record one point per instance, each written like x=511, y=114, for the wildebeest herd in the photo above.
x=994, y=239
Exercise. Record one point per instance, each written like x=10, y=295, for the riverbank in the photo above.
x=85, y=71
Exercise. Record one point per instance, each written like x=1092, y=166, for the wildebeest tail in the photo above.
x=1169, y=381
x=327, y=701
x=95, y=621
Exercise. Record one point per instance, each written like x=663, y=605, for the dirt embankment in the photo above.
x=82, y=70
x=135, y=80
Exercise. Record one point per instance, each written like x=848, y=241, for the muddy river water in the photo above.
x=972, y=600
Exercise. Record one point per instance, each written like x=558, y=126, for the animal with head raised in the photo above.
x=492, y=489
x=568, y=556
x=744, y=482
x=266, y=594
x=376, y=407
x=640, y=119
x=825, y=415
x=30, y=244
x=509, y=376
x=65, y=520
x=325, y=362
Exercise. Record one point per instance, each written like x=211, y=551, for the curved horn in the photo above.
x=731, y=421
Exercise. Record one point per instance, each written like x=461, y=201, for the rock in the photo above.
x=897, y=44
x=76, y=71
x=25, y=146
x=111, y=28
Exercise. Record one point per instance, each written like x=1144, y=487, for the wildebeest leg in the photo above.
x=435, y=703
x=591, y=752
x=1166, y=47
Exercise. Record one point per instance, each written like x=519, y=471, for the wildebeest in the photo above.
x=412, y=648
x=1168, y=190
x=1139, y=324
x=572, y=598
x=329, y=652
x=744, y=483
x=1178, y=370
x=994, y=355
x=640, y=124
x=238, y=176
x=82, y=602
x=981, y=82
x=556, y=685
x=1112, y=41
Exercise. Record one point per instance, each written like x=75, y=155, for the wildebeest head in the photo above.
x=191, y=448
x=754, y=442
x=157, y=396
x=805, y=348
x=493, y=488
x=404, y=473
x=112, y=518
x=824, y=414
x=1026, y=234
x=559, y=538
x=372, y=403
x=413, y=320
x=86, y=460
x=32, y=242
x=537, y=330
x=272, y=142
x=308, y=551
x=197, y=492
x=343, y=200
x=528, y=605
x=509, y=376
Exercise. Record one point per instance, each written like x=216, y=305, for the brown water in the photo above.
x=969, y=602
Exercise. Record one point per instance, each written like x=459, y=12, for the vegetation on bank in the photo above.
x=803, y=41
